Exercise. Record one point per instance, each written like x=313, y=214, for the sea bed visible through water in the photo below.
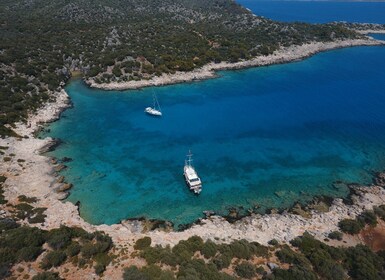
x=267, y=136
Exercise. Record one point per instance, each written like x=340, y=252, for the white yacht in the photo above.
x=155, y=109
x=193, y=181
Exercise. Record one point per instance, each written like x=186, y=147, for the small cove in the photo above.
x=266, y=136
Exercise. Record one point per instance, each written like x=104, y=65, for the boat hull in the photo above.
x=195, y=189
x=192, y=180
x=153, y=112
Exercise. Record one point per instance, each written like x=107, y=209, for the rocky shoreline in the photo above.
x=284, y=55
x=31, y=174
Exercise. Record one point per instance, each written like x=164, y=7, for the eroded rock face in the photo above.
x=51, y=145
x=379, y=179
x=62, y=196
x=60, y=167
x=64, y=187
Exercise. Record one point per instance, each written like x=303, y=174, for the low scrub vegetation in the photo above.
x=354, y=226
x=307, y=257
x=194, y=258
x=23, y=243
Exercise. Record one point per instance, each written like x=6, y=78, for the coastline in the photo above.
x=208, y=71
x=373, y=31
x=37, y=177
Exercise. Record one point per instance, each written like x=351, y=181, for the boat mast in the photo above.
x=189, y=158
x=156, y=102
x=153, y=101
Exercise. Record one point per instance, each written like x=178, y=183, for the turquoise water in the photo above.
x=318, y=11
x=266, y=136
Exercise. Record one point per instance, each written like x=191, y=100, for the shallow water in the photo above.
x=266, y=136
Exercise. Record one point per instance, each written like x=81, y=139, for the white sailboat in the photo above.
x=191, y=176
x=155, y=109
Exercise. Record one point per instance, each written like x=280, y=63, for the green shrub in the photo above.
x=198, y=269
x=99, y=268
x=380, y=211
x=2, y=179
x=47, y=275
x=142, y=243
x=273, y=242
x=73, y=249
x=209, y=249
x=153, y=272
x=351, y=226
x=24, y=210
x=182, y=252
x=152, y=255
x=293, y=273
x=103, y=259
x=308, y=244
x=167, y=257
x=53, y=259
x=81, y=233
x=368, y=217
x=103, y=244
x=59, y=238
x=363, y=263
x=38, y=216
x=133, y=273
x=260, y=270
x=245, y=270
x=7, y=255
x=241, y=249
x=21, y=237
x=287, y=255
x=326, y=266
x=258, y=249
x=88, y=250
x=28, y=254
x=222, y=261
x=23, y=198
x=82, y=262
x=7, y=224
x=194, y=243
x=336, y=235
x=2, y=197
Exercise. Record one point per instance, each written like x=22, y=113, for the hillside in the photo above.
x=117, y=40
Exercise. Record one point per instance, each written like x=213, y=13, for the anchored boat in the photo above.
x=155, y=109
x=191, y=176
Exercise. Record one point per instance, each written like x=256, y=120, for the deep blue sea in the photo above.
x=318, y=11
x=264, y=137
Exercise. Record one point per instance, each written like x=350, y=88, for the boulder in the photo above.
x=64, y=187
